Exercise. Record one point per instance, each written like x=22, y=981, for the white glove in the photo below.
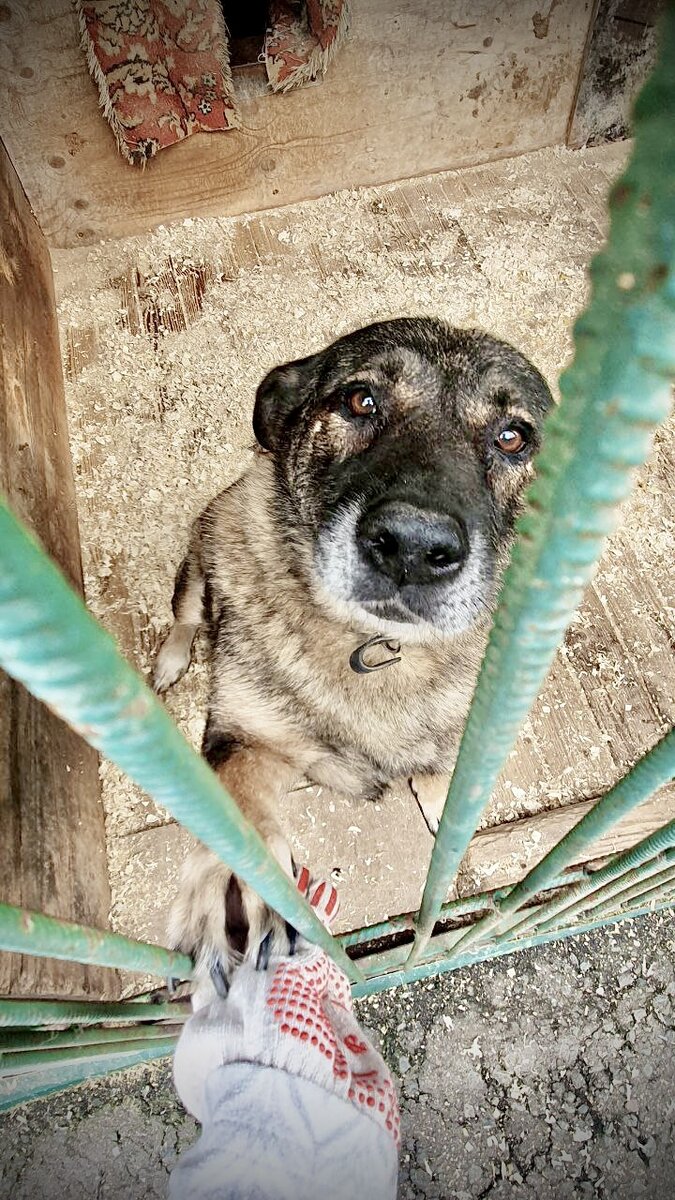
x=295, y=1016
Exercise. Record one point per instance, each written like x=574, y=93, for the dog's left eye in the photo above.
x=360, y=402
x=511, y=440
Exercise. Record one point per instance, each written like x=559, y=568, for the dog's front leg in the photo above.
x=430, y=792
x=216, y=918
x=187, y=604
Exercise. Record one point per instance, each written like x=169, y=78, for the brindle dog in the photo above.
x=347, y=580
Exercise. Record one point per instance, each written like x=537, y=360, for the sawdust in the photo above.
x=165, y=338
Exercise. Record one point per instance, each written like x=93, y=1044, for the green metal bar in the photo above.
x=651, y=772
x=18, y=1041
x=663, y=897
x=612, y=895
x=48, y=937
x=29, y=1013
x=659, y=894
x=21, y=1088
x=648, y=857
x=30, y=1086
x=614, y=395
x=404, y=923
x=448, y=961
x=43, y=1059
x=660, y=886
x=59, y=652
x=454, y=908
x=652, y=855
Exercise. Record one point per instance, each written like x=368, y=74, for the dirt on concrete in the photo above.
x=549, y=1074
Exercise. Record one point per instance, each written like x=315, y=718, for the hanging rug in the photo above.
x=162, y=67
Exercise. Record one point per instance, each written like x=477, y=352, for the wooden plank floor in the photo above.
x=165, y=338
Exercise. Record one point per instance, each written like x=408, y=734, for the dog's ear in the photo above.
x=281, y=394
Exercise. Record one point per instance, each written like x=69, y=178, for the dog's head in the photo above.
x=401, y=455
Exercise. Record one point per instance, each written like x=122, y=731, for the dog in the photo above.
x=347, y=581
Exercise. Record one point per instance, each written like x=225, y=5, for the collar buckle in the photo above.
x=358, y=663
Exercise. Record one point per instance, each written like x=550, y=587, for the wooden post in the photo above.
x=52, y=839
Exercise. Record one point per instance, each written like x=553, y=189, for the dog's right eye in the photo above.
x=359, y=402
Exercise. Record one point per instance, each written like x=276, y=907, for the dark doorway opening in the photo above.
x=246, y=23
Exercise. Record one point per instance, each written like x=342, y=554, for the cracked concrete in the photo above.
x=546, y=1074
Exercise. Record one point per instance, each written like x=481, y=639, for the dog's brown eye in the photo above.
x=510, y=441
x=360, y=403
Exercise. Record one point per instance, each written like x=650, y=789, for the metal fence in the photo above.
x=613, y=396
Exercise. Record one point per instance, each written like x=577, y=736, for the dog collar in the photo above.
x=358, y=663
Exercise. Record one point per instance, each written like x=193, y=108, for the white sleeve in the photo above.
x=271, y=1135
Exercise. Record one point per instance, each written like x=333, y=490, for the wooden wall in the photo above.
x=52, y=848
x=421, y=86
x=621, y=53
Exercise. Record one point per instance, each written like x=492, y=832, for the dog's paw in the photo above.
x=220, y=922
x=430, y=792
x=173, y=659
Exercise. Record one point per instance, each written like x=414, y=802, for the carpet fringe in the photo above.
x=320, y=59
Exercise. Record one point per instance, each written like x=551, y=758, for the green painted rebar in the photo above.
x=44, y=1079
x=640, y=862
x=624, y=879
x=462, y=907
x=392, y=958
x=59, y=652
x=446, y=960
x=18, y=1041
x=19, y=1089
x=650, y=773
x=658, y=895
x=48, y=937
x=613, y=396
x=659, y=886
x=30, y=1061
x=614, y=894
x=29, y=1013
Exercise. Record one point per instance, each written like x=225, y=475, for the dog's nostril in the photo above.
x=387, y=544
x=412, y=545
x=444, y=556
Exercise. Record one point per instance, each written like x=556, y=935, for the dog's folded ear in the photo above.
x=281, y=394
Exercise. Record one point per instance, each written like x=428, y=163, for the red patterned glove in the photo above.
x=296, y=1016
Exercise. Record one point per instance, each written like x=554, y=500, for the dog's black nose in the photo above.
x=412, y=545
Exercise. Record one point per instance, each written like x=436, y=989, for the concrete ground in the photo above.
x=547, y=1074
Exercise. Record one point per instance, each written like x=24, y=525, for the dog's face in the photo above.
x=401, y=452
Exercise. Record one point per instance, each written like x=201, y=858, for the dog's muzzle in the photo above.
x=412, y=546
x=393, y=565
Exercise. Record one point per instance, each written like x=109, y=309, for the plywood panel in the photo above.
x=422, y=85
x=52, y=848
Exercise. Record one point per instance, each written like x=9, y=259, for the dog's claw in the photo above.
x=220, y=922
x=219, y=979
x=173, y=658
x=264, y=950
x=430, y=802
